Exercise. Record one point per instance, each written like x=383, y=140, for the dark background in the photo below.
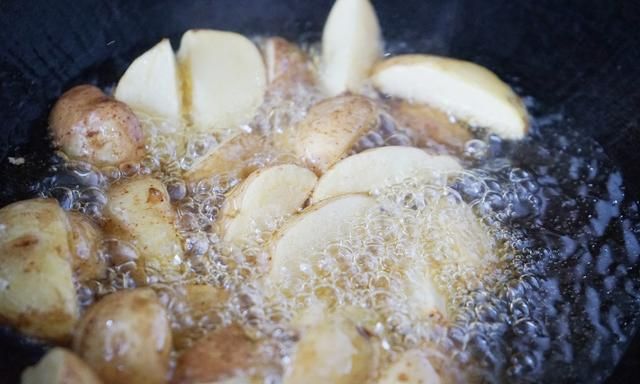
x=578, y=58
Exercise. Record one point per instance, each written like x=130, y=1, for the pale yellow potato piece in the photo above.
x=334, y=349
x=86, y=260
x=37, y=294
x=59, y=366
x=330, y=129
x=412, y=367
x=466, y=90
x=139, y=212
x=286, y=64
x=125, y=337
x=230, y=156
x=351, y=44
x=225, y=79
x=296, y=245
x=266, y=195
x=379, y=167
x=152, y=84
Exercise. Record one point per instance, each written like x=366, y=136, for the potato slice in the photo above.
x=330, y=129
x=125, y=337
x=151, y=84
x=427, y=125
x=294, y=246
x=59, y=366
x=336, y=349
x=266, y=195
x=377, y=167
x=412, y=367
x=351, y=44
x=85, y=243
x=225, y=79
x=37, y=294
x=230, y=156
x=140, y=213
x=466, y=90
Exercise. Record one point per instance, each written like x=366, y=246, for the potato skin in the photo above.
x=126, y=338
x=85, y=243
x=90, y=126
x=60, y=366
x=37, y=294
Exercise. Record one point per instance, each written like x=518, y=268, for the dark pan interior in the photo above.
x=578, y=58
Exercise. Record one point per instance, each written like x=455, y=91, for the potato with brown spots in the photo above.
x=287, y=66
x=86, y=260
x=37, y=295
x=60, y=366
x=140, y=213
x=90, y=126
x=125, y=337
x=412, y=367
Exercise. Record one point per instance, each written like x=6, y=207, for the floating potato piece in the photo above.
x=224, y=354
x=85, y=243
x=331, y=128
x=37, y=294
x=90, y=126
x=59, y=366
x=139, y=212
x=377, y=167
x=466, y=90
x=125, y=337
x=224, y=76
x=428, y=125
x=412, y=367
x=351, y=44
x=266, y=195
x=287, y=66
x=151, y=84
x=336, y=349
x=231, y=155
x=298, y=241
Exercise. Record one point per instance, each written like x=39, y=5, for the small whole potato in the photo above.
x=90, y=126
x=126, y=338
x=60, y=366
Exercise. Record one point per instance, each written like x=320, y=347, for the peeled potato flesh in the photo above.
x=464, y=89
x=59, y=366
x=412, y=367
x=37, y=293
x=125, y=337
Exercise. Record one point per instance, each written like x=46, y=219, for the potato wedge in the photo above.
x=266, y=195
x=330, y=129
x=427, y=125
x=224, y=76
x=230, y=156
x=85, y=243
x=59, y=366
x=412, y=367
x=336, y=349
x=225, y=354
x=125, y=337
x=139, y=212
x=297, y=242
x=152, y=85
x=377, y=167
x=351, y=44
x=286, y=64
x=89, y=126
x=37, y=294
x=464, y=89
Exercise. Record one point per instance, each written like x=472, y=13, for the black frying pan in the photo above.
x=577, y=58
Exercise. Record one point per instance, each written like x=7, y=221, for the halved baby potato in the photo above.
x=351, y=44
x=125, y=337
x=377, y=167
x=330, y=129
x=466, y=90
x=37, y=293
x=224, y=78
x=139, y=212
x=412, y=367
x=266, y=195
x=152, y=85
x=59, y=366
